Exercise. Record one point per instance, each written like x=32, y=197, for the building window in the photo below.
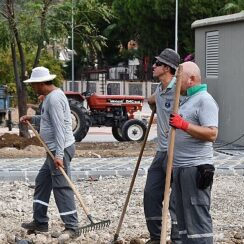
x=113, y=89
x=212, y=54
x=135, y=89
x=91, y=87
x=76, y=86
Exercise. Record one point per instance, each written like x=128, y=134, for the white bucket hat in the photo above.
x=40, y=74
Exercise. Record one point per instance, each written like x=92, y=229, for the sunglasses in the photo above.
x=158, y=63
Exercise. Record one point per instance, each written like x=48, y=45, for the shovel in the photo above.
x=93, y=225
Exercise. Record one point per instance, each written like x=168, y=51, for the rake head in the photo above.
x=95, y=226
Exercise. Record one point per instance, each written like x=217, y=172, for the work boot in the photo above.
x=35, y=226
x=174, y=235
x=153, y=241
x=73, y=233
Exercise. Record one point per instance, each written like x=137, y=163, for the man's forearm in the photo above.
x=203, y=133
x=36, y=119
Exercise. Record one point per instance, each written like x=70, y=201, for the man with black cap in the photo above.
x=56, y=131
x=163, y=98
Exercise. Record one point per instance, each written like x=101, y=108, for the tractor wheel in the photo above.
x=117, y=133
x=134, y=130
x=80, y=120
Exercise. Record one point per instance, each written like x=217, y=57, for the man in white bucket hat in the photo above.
x=56, y=131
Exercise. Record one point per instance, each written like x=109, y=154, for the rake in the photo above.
x=93, y=225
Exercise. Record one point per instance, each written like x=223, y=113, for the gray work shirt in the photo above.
x=164, y=107
x=55, y=122
x=198, y=109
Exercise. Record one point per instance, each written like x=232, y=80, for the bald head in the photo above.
x=191, y=76
x=191, y=69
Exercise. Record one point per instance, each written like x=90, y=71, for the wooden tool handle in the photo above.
x=134, y=176
x=170, y=160
x=72, y=186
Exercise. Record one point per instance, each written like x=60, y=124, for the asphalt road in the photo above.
x=102, y=134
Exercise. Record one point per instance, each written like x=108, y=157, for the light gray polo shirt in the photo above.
x=199, y=109
x=55, y=122
x=164, y=107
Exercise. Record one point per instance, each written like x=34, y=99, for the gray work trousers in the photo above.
x=153, y=198
x=49, y=178
x=192, y=207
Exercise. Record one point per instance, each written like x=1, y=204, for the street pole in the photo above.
x=72, y=46
x=176, y=25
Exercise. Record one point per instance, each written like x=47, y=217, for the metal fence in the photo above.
x=116, y=80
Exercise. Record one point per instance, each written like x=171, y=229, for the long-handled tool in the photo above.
x=116, y=236
x=94, y=225
x=170, y=160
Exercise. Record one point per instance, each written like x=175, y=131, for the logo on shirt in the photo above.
x=167, y=104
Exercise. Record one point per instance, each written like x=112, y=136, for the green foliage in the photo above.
x=7, y=76
x=102, y=26
x=129, y=54
x=27, y=26
x=152, y=24
x=232, y=7
x=54, y=66
x=56, y=27
x=4, y=37
x=6, y=71
x=192, y=10
x=90, y=18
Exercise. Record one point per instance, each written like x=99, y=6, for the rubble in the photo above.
x=105, y=199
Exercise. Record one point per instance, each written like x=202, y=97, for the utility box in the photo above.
x=219, y=52
x=3, y=98
x=4, y=107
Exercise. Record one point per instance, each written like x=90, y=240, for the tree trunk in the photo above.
x=21, y=94
x=20, y=86
x=43, y=36
x=38, y=55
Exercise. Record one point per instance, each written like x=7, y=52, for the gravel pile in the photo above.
x=105, y=199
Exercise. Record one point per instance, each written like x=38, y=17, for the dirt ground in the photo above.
x=12, y=145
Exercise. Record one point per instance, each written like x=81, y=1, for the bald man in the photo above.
x=197, y=129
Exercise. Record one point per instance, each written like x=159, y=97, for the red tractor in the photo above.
x=116, y=111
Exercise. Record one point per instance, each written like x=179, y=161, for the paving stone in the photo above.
x=239, y=166
x=239, y=171
x=26, y=169
x=225, y=171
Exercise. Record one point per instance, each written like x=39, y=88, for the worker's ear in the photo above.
x=167, y=67
x=191, y=80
